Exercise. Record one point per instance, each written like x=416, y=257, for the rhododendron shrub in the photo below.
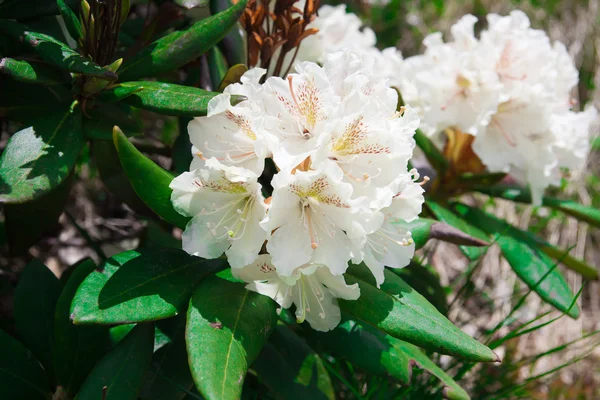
x=279, y=186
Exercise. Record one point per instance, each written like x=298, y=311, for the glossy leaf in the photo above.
x=38, y=158
x=217, y=66
x=27, y=223
x=75, y=349
x=35, y=299
x=403, y=313
x=140, y=286
x=579, y=211
x=425, y=280
x=120, y=373
x=113, y=177
x=291, y=369
x=526, y=258
x=150, y=182
x=72, y=22
x=383, y=355
x=21, y=375
x=54, y=51
x=180, y=47
x=166, y=98
x=448, y=217
x=31, y=72
x=226, y=328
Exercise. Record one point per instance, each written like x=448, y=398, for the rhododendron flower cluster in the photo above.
x=510, y=89
x=340, y=191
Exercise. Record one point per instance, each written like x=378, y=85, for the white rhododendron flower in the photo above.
x=226, y=206
x=311, y=288
x=340, y=187
x=510, y=89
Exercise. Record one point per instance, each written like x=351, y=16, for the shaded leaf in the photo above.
x=233, y=44
x=140, y=286
x=27, y=223
x=120, y=373
x=525, y=257
x=55, y=52
x=233, y=76
x=39, y=157
x=31, y=72
x=21, y=375
x=433, y=154
x=217, y=66
x=180, y=47
x=402, y=312
x=21, y=100
x=100, y=120
x=71, y=20
x=291, y=369
x=166, y=98
x=150, y=182
x=381, y=354
x=35, y=299
x=75, y=349
x=14, y=9
x=226, y=328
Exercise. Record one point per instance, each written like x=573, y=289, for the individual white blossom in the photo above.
x=311, y=288
x=226, y=206
x=340, y=189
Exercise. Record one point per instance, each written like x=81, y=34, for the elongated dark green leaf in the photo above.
x=448, y=217
x=581, y=212
x=113, y=177
x=182, y=148
x=575, y=264
x=14, y=9
x=165, y=98
x=526, y=258
x=233, y=44
x=171, y=378
x=217, y=66
x=55, y=52
x=291, y=369
x=226, y=328
x=21, y=375
x=35, y=299
x=39, y=157
x=71, y=20
x=487, y=179
x=31, y=72
x=181, y=47
x=433, y=154
x=149, y=181
x=120, y=374
x=75, y=349
x=425, y=280
x=400, y=311
x=27, y=223
x=152, y=284
x=100, y=120
x=382, y=354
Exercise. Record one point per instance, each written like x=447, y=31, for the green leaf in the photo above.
x=180, y=47
x=426, y=281
x=227, y=326
x=20, y=100
x=148, y=285
x=100, y=120
x=41, y=156
x=150, y=182
x=182, y=148
x=75, y=349
x=383, y=355
x=55, y=52
x=119, y=375
x=433, y=154
x=166, y=98
x=233, y=75
x=233, y=44
x=171, y=378
x=291, y=369
x=581, y=212
x=27, y=223
x=217, y=66
x=21, y=375
x=448, y=217
x=526, y=258
x=71, y=21
x=31, y=72
x=423, y=229
x=35, y=299
x=403, y=313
